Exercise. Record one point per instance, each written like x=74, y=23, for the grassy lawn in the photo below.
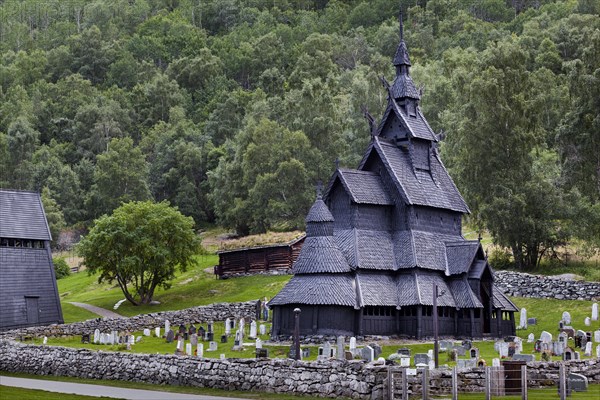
x=148, y=386
x=197, y=286
x=593, y=393
x=14, y=393
x=76, y=314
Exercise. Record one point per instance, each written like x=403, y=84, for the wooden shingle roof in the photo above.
x=22, y=216
x=315, y=289
x=460, y=256
x=320, y=254
x=364, y=187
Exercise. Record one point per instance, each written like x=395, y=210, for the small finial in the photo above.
x=479, y=236
x=319, y=189
x=401, y=25
x=337, y=163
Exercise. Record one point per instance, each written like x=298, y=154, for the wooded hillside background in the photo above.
x=233, y=110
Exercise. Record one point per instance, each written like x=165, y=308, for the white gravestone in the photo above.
x=212, y=346
x=241, y=328
x=546, y=337
x=132, y=339
x=200, y=350
x=188, y=349
x=587, y=321
x=523, y=319
x=503, y=349
x=45, y=340
x=530, y=338
x=146, y=332
x=262, y=329
x=405, y=361
x=495, y=362
x=597, y=336
x=252, y=330
x=157, y=331
x=598, y=351
x=595, y=312
x=588, y=349
x=222, y=356
x=353, y=345
x=518, y=345
x=167, y=326
x=96, y=335
x=566, y=317
x=227, y=326
x=180, y=344
x=340, y=348
x=258, y=343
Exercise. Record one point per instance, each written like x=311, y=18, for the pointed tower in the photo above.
x=383, y=235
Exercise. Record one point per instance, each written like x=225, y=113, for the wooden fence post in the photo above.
x=562, y=382
x=488, y=383
x=523, y=382
x=390, y=384
x=404, y=384
x=425, y=383
x=454, y=384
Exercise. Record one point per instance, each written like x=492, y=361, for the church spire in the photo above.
x=403, y=85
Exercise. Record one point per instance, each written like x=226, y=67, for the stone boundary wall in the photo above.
x=520, y=284
x=334, y=378
x=213, y=312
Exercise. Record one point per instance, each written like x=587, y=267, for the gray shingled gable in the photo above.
x=463, y=294
x=477, y=269
x=364, y=187
x=425, y=284
x=377, y=289
x=22, y=216
x=461, y=255
x=441, y=193
x=318, y=289
x=417, y=126
x=501, y=301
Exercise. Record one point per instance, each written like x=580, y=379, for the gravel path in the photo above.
x=103, y=312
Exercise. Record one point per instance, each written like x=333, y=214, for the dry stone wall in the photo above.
x=526, y=285
x=213, y=312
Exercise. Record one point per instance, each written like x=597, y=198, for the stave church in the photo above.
x=383, y=237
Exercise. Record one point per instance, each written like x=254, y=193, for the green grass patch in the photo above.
x=197, y=286
x=15, y=393
x=73, y=313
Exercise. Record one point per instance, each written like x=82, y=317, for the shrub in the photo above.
x=61, y=268
x=501, y=259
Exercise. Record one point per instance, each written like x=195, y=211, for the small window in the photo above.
x=411, y=108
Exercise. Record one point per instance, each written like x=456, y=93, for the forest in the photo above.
x=233, y=110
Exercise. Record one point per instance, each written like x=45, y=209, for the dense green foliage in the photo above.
x=140, y=245
x=232, y=110
x=61, y=268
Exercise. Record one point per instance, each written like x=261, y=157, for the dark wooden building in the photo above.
x=275, y=257
x=384, y=234
x=28, y=291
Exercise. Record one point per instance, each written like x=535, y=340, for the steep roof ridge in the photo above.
x=404, y=193
x=419, y=299
x=467, y=209
x=360, y=302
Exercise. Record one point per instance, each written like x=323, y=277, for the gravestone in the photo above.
x=210, y=327
x=227, y=326
x=405, y=361
x=237, y=343
x=467, y=344
x=167, y=325
x=563, y=339
x=597, y=336
x=577, y=382
x=222, y=356
x=524, y=357
x=200, y=350
x=353, y=345
x=292, y=353
x=188, y=349
x=367, y=353
x=157, y=331
x=212, y=346
x=96, y=335
x=503, y=349
x=241, y=328
x=146, y=332
x=262, y=353
x=595, y=312
x=194, y=339
x=210, y=336
x=340, y=348
x=466, y=363
x=376, y=348
x=170, y=336
x=460, y=351
x=518, y=345
x=305, y=352
x=587, y=321
x=192, y=329
x=531, y=321
x=223, y=338
x=568, y=354
x=557, y=348
x=258, y=344
x=348, y=355
x=252, y=330
x=512, y=349
x=262, y=329
x=588, y=349
x=46, y=340
x=202, y=333
x=404, y=351
x=474, y=352
x=445, y=345
x=180, y=343
x=495, y=362
x=566, y=317
x=546, y=337
x=421, y=359
x=181, y=328
x=85, y=338
x=138, y=339
x=523, y=318
x=101, y=338
x=530, y=338
x=597, y=351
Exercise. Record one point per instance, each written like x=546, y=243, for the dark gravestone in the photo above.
x=202, y=332
x=524, y=357
x=263, y=353
x=577, y=383
x=531, y=321
x=460, y=351
x=210, y=336
x=306, y=352
x=170, y=336
x=376, y=349
x=467, y=344
x=185, y=336
x=421, y=359
x=85, y=338
x=404, y=351
x=223, y=338
x=512, y=348
x=192, y=329
x=292, y=352
x=182, y=328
